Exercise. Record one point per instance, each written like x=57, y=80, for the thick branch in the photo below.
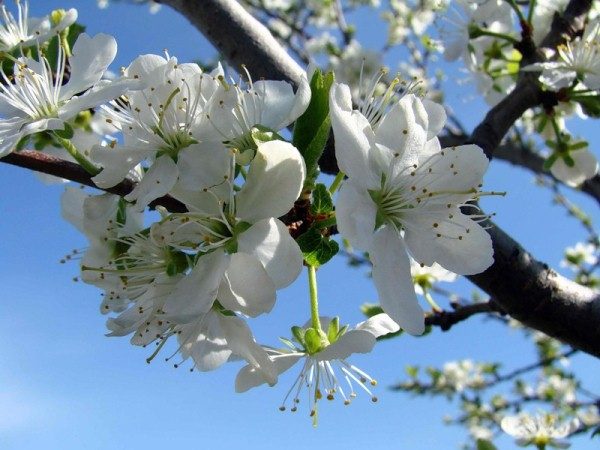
x=242, y=39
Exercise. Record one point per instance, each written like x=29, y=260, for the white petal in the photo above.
x=203, y=165
x=436, y=115
x=404, y=128
x=91, y=57
x=269, y=240
x=249, y=377
x=143, y=65
x=274, y=182
x=71, y=206
x=586, y=166
x=379, y=325
x=353, y=341
x=355, y=213
x=391, y=274
x=117, y=162
x=351, y=142
x=205, y=342
x=242, y=343
x=246, y=286
x=102, y=93
x=158, y=181
x=195, y=294
x=458, y=244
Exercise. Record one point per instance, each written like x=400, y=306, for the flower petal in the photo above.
x=158, y=181
x=203, y=165
x=353, y=341
x=195, y=294
x=246, y=286
x=379, y=325
x=249, y=377
x=91, y=57
x=391, y=274
x=269, y=240
x=458, y=243
x=274, y=182
x=355, y=213
x=351, y=142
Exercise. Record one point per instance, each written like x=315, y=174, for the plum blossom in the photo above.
x=403, y=195
x=39, y=101
x=26, y=31
x=325, y=371
x=575, y=60
x=541, y=430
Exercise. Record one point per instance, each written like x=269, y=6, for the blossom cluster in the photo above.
x=198, y=271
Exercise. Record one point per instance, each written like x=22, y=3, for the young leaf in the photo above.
x=311, y=130
x=321, y=200
x=316, y=248
x=484, y=444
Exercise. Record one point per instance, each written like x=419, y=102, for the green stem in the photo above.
x=480, y=32
x=314, y=301
x=336, y=183
x=432, y=302
x=532, y=4
x=516, y=8
x=82, y=160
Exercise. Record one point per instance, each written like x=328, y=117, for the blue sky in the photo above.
x=63, y=385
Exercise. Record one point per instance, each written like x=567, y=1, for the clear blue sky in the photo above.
x=63, y=385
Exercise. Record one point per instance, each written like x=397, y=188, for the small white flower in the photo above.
x=460, y=375
x=26, y=31
x=578, y=59
x=38, y=100
x=325, y=373
x=492, y=15
x=581, y=253
x=424, y=277
x=403, y=194
x=541, y=430
x=585, y=166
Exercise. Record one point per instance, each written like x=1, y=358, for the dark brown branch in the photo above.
x=51, y=165
x=446, y=319
x=242, y=39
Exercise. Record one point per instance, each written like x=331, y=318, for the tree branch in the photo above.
x=447, y=319
x=242, y=39
x=51, y=165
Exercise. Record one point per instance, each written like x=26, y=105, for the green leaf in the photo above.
x=316, y=248
x=322, y=203
x=412, y=371
x=311, y=130
x=483, y=444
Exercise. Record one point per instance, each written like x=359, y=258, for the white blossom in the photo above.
x=39, y=101
x=325, y=373
x=28, y=31
x=404, y=194
x=541, y=430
